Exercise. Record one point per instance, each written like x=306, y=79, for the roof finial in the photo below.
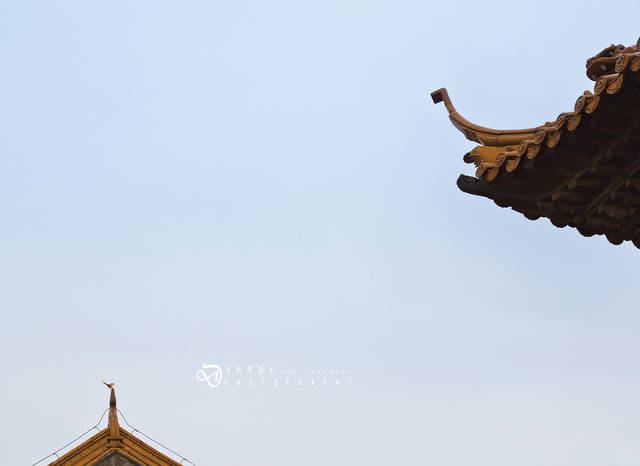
x=109, y=385
x=114, y=427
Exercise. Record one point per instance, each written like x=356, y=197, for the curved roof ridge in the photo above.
x=477, y=133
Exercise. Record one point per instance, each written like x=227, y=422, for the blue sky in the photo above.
x=250, y=183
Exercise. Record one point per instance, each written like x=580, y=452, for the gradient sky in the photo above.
x=269, y=183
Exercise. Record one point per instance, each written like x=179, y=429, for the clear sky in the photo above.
x=268, y=183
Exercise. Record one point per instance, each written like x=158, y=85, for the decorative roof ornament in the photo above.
x=115, y=439
x=581, y=170
x=109, y=385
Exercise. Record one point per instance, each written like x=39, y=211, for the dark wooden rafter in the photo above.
x=609, y=189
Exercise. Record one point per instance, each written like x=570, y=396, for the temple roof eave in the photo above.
x=582, y=170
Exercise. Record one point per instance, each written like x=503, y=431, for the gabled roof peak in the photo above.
x=114, y=441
